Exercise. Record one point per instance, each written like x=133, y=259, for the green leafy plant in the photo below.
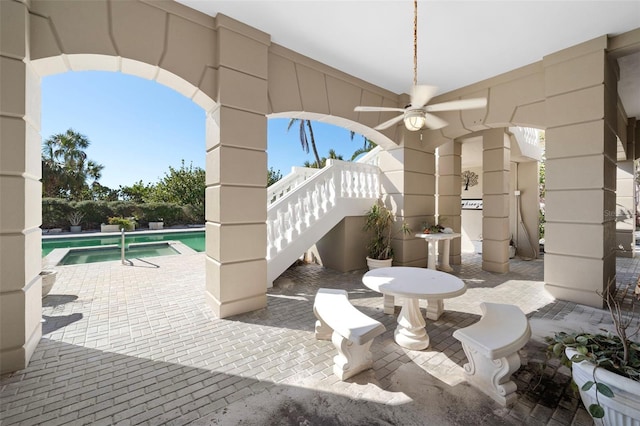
x=615, y=353
x=380, y=220
x=127, y=224
x=431, y=229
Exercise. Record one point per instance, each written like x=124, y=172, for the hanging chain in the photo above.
x=415, y=42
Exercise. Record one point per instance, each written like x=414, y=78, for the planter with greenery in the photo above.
x=156, y=224
x=379, y=220
x=605, y=366
x=117, y=223
x=75, y=219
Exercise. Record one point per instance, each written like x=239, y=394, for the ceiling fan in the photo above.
x=417, y=114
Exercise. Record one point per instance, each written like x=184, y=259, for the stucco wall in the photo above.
x=472, y=219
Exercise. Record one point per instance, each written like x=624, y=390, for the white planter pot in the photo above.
x=48, y=280
x=75, y=228
x=375, y=263
x=624, y=408
x=156, y=225
x=109, y=228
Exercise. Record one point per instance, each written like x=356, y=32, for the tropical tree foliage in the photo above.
x=183, y=186
x=66, y=170
x=323, y=161
x=138, y=192
x=306, y=140
x=368, y=146
x=273, y=176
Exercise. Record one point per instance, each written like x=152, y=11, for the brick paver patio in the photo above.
x=138, y=345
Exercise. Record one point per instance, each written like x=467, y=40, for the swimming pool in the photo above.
x=192, y=239
x=105, y=254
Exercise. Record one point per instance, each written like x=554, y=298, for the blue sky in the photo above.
x=138, y=128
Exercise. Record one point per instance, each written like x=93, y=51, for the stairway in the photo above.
x=308, y=203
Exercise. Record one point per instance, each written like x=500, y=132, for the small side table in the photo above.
x=432, y=241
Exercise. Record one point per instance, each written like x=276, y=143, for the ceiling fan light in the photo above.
x=414, y=120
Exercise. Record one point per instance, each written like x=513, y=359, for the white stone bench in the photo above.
x=351, y=331
x=492, y=346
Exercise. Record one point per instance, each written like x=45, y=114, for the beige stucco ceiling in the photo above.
x=460, y=42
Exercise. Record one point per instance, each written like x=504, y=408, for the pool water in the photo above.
x=194, y=240
x=75, y=257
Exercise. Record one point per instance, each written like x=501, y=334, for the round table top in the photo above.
x=438, y=236
x=421, y=283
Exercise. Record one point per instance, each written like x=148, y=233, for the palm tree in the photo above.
x=304, y=139
x=323, y=161
x=368, y=146
x=65, y=168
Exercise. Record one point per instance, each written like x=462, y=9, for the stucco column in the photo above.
x=408, y=186
x=496, y=154
x=580, y=173
x=236, y=209
x=20, y=194
x=449, y=193
x=625, y=209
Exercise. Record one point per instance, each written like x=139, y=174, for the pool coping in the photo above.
x=46, y=236
x=53, y=259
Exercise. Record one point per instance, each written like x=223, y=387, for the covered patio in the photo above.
x=139, y=345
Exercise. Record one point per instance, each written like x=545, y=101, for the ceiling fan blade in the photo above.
x=389, y=123
x=433, y=122
x=421, y=94
x=458, y=105
x=375, y=109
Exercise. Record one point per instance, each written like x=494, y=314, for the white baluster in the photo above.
x=281, y=240
x=308, y=208
x=355, y=178
x=299, y=213
x=270, y=246
x=293, y=220
x=315, y=203
x=347, y=184
x=324, y=199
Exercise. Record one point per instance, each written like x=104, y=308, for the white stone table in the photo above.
x=432, y=243
x=413, y=284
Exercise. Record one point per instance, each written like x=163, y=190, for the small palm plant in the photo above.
x=380, y=220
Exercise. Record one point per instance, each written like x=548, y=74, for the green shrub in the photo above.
x=95, y=212
x=169, y=213
x=55, y=213
x=127, y=224
x=122, y=208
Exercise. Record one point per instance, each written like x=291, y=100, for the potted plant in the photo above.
x=605, y=366
x=117, y=223
x=380, y=221
x=75, y=218
x=156, y=224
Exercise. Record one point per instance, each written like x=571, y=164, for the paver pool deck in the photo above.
x=138, y=345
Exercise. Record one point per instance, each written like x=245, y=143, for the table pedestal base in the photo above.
x=411, y=332
x=435, y=308
x=444, y=262
x=432, y=251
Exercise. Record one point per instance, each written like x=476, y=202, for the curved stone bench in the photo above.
x=492, y=346
x=351, y=331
